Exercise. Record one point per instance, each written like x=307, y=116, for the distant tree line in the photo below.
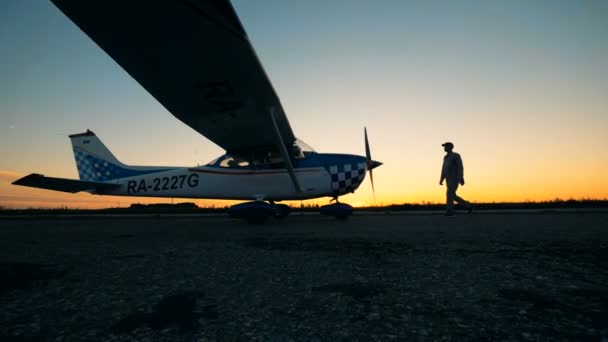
x=192, y=208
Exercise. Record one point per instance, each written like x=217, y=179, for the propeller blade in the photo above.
x=371, y=178
x=371, y=164
x=368, y=154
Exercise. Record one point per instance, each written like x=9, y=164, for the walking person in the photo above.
x=452, y=172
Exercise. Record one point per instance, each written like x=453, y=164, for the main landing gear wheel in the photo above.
x=281, y=211
x=256, y=212
x=338, y=210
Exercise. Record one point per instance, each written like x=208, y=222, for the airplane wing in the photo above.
x=195, y=58
x=36, y=180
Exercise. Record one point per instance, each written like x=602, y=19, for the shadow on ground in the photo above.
x=22, y=275
x=181, y=309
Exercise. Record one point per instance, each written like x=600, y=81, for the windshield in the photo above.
x=302, y=149
x=304, y=146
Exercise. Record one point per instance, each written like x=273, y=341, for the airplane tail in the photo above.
x=97, y=166
x=95, y=162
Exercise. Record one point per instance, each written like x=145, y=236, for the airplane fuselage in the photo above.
x=334, y=175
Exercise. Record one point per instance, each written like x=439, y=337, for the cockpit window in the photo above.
x=263, y=159
x=234, y=162
x=267, y=158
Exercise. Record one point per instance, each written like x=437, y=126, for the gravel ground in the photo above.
x=403, y=277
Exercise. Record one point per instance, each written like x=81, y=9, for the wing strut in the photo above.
x=284, y=153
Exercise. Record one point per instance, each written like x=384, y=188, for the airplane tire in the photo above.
x=341, y=211
x=282, y=211
x=255, y=212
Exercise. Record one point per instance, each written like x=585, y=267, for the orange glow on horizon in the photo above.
x=483, y=191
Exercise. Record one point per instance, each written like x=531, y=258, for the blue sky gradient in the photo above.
x=521, y=87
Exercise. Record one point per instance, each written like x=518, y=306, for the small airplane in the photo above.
x=195, y=58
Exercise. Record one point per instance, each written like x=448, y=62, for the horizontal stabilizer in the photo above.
x=36, y=180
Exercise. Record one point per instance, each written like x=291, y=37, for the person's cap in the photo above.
x=447, y=144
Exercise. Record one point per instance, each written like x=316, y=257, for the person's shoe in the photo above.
x=470, y=210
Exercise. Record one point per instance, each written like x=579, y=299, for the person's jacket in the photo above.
x=452, y=168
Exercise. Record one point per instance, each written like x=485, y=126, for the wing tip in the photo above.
x=24, y=180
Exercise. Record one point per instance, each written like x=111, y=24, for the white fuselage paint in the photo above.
x=218, y=183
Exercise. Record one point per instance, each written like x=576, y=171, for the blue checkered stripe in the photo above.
x=346, y=178
x=91, y=168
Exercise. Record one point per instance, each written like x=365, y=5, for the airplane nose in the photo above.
x=372, y=164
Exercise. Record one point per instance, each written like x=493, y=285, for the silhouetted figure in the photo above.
x=453, y=172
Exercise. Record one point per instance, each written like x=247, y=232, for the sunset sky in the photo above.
x=519, y=86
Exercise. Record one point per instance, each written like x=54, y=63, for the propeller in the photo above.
x=371, y=164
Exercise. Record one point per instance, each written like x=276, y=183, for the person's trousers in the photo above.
x=451, y=195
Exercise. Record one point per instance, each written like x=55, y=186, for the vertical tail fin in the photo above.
x=94, y=160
